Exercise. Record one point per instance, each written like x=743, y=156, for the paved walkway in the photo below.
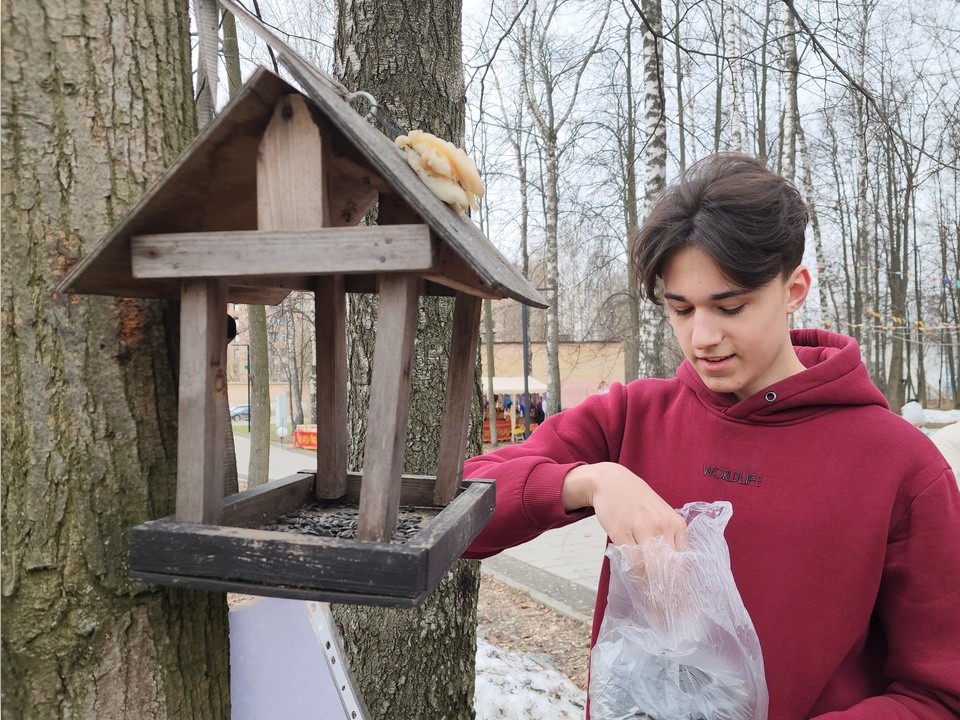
x=560, y=568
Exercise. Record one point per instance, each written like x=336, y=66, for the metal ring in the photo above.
x=364, y=95
x=770, y=396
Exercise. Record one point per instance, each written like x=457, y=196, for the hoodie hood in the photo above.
x=835, y=375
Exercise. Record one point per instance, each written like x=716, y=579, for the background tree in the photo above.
x=551, y=71
x=96, y=102
x=410, y=663
x=653, y=330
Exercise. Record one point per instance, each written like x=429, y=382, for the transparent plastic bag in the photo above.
x=676, y=642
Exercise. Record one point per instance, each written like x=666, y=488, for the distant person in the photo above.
x=845, y=536
x=536, y=410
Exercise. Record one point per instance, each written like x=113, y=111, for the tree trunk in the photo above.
x=231, y=59
x=410, y=663
x=791, y=117
x=681, y=109
x=823, y=273
x=631, y=212
x=655, y=163
x=295, y=362
x=731, y=52
x=96, y=101
x=551, y=218
x=764, y=80
x=258, y=470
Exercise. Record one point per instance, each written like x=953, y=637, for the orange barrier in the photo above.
x=305, y=436
x=503, y=430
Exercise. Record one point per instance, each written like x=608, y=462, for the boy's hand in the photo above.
x=627, y=508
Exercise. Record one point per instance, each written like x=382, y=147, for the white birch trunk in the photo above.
x=791, y=117
x=733, y=64
x=655, y=164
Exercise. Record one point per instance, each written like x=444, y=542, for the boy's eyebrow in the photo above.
x=716, y=296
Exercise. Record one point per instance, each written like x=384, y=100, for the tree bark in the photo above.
x=655, y=163
x=791, y=117
x=258, y=470
x=410, y=663
x=731, y=51
x=631, y=211
x=96, y=101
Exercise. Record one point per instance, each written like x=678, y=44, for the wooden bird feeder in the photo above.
x=265, y=201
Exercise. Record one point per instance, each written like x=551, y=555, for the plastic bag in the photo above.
x=676, y=642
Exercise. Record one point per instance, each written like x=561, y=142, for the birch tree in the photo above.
x=652, y=321
x=551, y=99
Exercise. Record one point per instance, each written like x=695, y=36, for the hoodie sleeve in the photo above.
x=529, y=476
x=918, y=605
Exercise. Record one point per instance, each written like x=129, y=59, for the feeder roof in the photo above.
x=212, y=187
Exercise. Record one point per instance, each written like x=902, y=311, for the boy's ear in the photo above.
x=798, y=285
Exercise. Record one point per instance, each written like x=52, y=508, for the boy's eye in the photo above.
x=681, y=311
x=732, y=311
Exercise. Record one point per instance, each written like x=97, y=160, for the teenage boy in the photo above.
x=845, y=536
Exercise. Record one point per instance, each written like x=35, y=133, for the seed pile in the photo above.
x=340, y=521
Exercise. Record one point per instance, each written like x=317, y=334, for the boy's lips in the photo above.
x=715, y=363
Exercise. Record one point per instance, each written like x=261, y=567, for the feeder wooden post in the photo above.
x=203, y=382
x=389, y=405
x=330, y=303
x=456, y=410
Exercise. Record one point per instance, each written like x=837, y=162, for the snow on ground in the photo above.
x=940, y=417
x=511, y=686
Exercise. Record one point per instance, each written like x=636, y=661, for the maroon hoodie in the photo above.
x=845, y=536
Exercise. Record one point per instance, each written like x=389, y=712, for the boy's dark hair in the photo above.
x=744, y=217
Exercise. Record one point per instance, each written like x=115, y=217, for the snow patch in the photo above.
x=512, y=686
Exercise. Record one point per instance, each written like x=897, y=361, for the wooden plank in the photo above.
x=262, y=504
x=452, y=271
x=393, y=248
x=276, y=558
x=330, y=303
x=415, y=490
x=460, y=388
x=389, y=403
x=291, y=189
x=281, y=591
x=255, y=294
x=448, y=535
x=352, y=201
x=357, y=187
x=345, y=167
x=203, y=329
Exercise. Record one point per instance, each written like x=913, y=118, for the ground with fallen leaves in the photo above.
x=513, y=621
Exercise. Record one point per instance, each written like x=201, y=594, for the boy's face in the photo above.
x=737, y=340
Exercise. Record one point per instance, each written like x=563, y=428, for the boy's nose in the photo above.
x=706, y=333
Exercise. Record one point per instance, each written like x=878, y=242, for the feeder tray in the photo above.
x=238, y=556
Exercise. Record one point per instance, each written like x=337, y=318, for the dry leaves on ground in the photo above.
x=513, y=621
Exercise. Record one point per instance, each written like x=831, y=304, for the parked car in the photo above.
x=240, y=412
